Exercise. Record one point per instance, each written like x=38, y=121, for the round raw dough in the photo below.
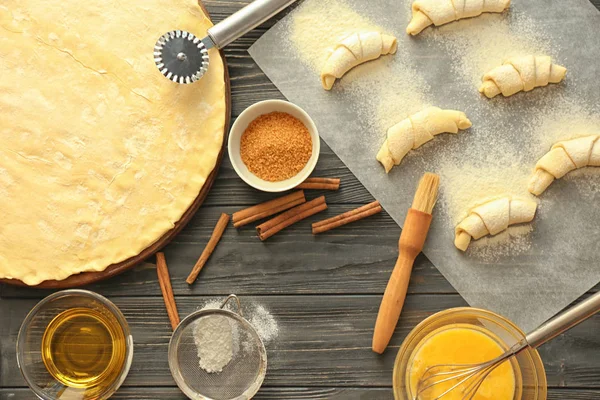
x=100, y=154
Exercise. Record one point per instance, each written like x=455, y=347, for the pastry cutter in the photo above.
x=183, y=58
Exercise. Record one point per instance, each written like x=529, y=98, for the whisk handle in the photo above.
x=564, y=321
x=245, y=20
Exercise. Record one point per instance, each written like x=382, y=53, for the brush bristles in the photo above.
x=427, y=193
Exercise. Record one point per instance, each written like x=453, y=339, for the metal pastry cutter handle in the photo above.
x=244, y=21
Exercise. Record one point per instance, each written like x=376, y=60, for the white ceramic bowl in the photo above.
x=240, y=125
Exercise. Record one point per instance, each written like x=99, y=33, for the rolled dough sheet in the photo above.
x=100, y=154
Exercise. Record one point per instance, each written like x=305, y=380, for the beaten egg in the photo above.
x=462, y=344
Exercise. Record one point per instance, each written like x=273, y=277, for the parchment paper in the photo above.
x=562, y=262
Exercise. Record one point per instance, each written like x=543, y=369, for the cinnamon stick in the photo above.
x=346, y=218
x=320, y=184
x=272, y=226
x=268, y=208
x=210, y=247
x=167, y=291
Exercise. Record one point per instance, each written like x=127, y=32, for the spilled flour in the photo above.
x=264, y=323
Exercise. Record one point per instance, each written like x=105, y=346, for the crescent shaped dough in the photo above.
x=521, y=74
x=563, y=158
x=492, y=218
x=417, y=130
x=440, y=12
x=355, y=49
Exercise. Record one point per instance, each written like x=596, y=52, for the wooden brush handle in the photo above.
x=411, y=243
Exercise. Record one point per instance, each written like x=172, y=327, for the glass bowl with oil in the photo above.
x=467, y=335
x=74, y=344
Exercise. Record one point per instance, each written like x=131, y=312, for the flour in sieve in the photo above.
x=213, y=337
x=259, y=317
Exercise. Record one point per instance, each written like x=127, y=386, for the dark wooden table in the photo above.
x=324, y=291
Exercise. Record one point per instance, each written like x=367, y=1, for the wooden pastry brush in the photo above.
x=412, y=240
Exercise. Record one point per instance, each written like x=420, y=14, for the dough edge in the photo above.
x=9, y=269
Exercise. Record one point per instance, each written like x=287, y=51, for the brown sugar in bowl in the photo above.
x=274, y=145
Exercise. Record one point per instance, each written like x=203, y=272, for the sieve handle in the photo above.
x=237, y=301
x=245, y=20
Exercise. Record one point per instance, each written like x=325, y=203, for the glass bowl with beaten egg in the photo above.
x=468, y=336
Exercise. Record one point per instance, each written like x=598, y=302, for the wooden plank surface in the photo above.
x=324, y=291
x=322, y=341
x=300, y=393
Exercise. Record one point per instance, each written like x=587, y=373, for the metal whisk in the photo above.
x=469, y=377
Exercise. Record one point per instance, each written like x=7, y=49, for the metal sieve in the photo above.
x=240, y=379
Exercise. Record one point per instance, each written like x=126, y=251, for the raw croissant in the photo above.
x=416, y=130
x=563, y=158
x=440, y=12
x=354, y=50
x=492, y=218
x=521, y=73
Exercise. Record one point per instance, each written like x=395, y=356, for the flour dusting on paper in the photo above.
x=317, y=26
x=387, y=90
x=468, y=185
x=513, y=241
x=565, y=120
x=586, y=181
x=483, y=43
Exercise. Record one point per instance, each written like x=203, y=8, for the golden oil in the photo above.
x=84, y=348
